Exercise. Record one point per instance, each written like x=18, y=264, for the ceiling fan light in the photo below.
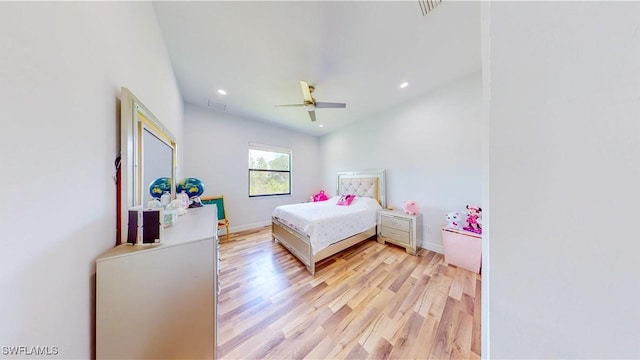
x=404, y=85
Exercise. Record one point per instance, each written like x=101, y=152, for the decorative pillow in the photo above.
x=345, y=200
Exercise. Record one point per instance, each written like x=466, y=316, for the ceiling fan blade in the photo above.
x=306, y=92
x=296, y=105
x=312, y=115
x=330, y=105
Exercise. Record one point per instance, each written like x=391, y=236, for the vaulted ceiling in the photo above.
x=356, y=52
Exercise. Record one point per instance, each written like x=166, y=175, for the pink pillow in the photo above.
x=345, y=200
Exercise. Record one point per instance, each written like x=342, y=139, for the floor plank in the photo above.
x=370, y=301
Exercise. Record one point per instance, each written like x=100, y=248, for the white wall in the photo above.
x=61, y=70
x=216, y=151
x=564, y=133
x=429, y=147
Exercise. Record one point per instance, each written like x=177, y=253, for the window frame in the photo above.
x=275, y=150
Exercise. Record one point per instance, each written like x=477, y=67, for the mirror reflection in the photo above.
x=148, y=152
x=157, y=157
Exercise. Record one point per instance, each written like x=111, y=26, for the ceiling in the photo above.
x=356, y=52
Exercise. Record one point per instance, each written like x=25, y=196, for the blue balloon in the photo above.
x=159, y=186
x=191, y=186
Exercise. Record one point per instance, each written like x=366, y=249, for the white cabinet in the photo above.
x=401, y=229
x=159, y=301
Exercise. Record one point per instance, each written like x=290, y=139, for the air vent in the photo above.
x=216, y=105
x=427, y=6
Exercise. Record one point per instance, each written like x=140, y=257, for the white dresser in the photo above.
x=401, y=229
x=159, y=301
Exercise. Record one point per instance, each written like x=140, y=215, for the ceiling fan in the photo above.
x=310, y=104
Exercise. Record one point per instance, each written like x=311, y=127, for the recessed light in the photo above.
x=222, y=92
x=404, y=85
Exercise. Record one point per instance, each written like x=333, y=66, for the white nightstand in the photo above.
x=401, y=229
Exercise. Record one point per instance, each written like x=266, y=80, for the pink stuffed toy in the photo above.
x=321, y=196
x=410, y=207
x=473, y=219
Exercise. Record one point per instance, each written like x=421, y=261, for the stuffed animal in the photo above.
x=410, y=207
x=177, y=206
x=453, y=220
x=321, y=196
x=474, y=219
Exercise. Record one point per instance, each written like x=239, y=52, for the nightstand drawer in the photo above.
x=401, y=229
x=395, y=223
x=395, y=235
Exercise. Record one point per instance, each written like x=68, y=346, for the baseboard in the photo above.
x=433, y=247
x=234, y=229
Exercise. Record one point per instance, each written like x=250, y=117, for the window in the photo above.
x=269, y=170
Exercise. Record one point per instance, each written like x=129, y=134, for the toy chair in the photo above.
x=218, y=200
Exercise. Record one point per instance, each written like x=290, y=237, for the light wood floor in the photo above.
x=370, y=301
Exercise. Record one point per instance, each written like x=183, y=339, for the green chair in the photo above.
x=218, y=200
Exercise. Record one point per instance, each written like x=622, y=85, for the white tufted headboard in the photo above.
x=364, y=184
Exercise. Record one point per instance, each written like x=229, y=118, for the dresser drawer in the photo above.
x=395, y=235
x=395, y=223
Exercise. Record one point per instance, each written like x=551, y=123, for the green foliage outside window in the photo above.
x=269, y=173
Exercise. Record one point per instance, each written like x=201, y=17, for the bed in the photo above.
x=315, y=231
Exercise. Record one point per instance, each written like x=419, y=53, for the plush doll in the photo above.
x=410, y=207
x=453, y=220
x=177, y=206
x=154, y=203
x=474, y=219
x=321, y=196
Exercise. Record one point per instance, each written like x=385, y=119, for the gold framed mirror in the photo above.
x=148, y=152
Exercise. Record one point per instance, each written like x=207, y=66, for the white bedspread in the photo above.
x=326, y=223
